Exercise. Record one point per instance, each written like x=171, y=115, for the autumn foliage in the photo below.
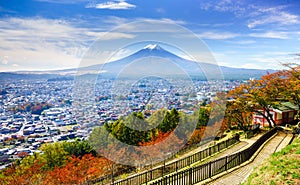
x=76, y=171
x=261, y=95
x=23, y=175
x=60, y=163
x=159, y=138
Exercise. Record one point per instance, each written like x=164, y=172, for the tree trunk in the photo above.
x=270, y=117
x=266, y=117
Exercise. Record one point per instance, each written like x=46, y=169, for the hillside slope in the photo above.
x=281, y=168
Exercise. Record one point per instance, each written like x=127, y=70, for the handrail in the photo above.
x=199, y=173
x=160, y=171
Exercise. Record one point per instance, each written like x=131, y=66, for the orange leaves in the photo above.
x=265, y=94
x=75, y=171
x=208, y=131
x=196, y=136
x=19, y=175
x=159, y=138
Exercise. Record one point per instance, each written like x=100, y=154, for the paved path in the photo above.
x=284, y=142
x=233, y=149
x=244, y=143
x=237, y=176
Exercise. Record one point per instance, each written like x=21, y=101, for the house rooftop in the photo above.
x=287, y=106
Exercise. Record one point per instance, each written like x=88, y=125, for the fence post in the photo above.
x=226, y=163
x=146, y=178
x=112, y=175
x=190, y=176
x=209, y=172
x=163, y=169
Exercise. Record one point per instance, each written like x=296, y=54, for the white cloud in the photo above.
x=147, y=25
x=42, y=44
x=280, y=53
x=273, y=65
x=274, y=17
x=217, y=36
x=170, y=21
x=273, y=61
x=160, y=10
x=263, y=59
x=113, y=20
x=4, y=60
x=235, y=6
x=250, y=66
x=272, y=35
x=142, y=22
x=256, y=15
x=38, y=43
x=109, y=35
x=119, y=54
x=244, y=42
x=112, y=5
x=223, y=64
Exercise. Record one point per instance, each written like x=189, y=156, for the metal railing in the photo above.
x=177, y=165
x=199, y=173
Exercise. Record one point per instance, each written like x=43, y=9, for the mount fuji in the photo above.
x=151, y=59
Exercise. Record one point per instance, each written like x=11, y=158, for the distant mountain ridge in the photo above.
x=151, y=58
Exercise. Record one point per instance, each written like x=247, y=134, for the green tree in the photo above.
x=170, y=121
x=54, y=155
x=78, y=148
x=175, y=117
x=130, y=129
x=99, y=138
x=165, y=126
x=203, y=116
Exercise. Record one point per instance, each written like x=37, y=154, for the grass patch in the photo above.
x=282, y=167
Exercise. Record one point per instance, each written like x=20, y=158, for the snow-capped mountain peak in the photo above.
x=152, y=46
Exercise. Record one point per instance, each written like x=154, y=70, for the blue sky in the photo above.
x=55, y=34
